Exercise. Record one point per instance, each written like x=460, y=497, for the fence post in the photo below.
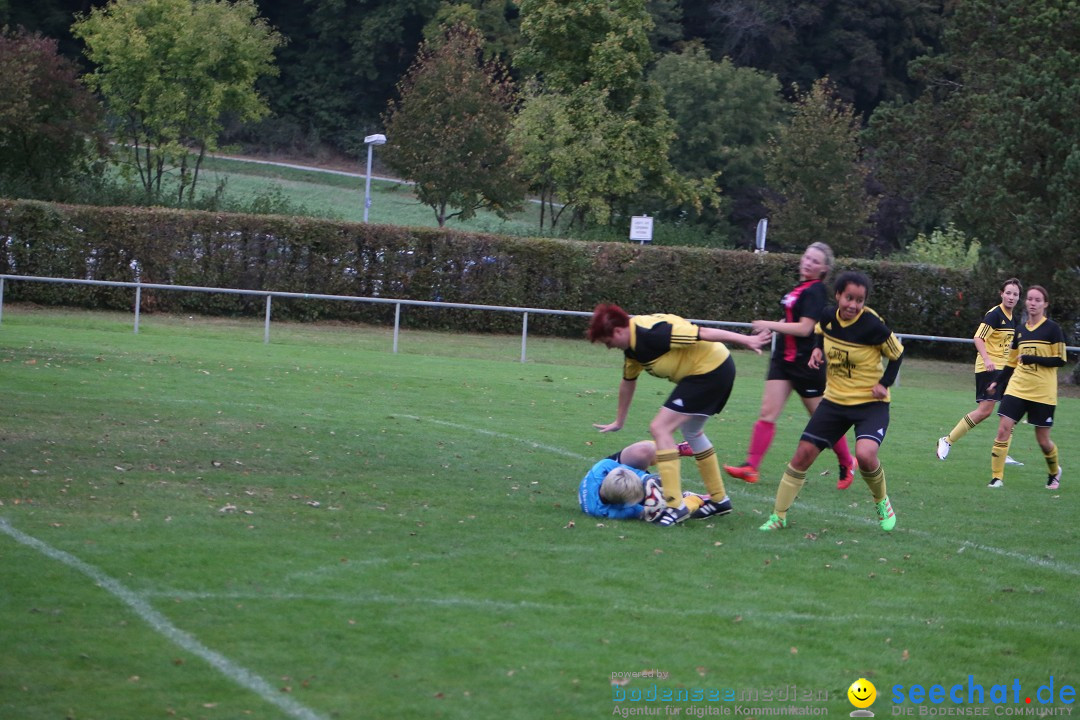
x=397, y=323
x=524, y=332
x=266, y=325
x=138, y=304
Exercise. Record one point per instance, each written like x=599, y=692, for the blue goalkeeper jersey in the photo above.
x=589, y=493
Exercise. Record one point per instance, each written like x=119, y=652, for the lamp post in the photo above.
x=370, y=141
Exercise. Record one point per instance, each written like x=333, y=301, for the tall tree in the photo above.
x=340, y=66
x=816, y=170
x=51, y=18
x=448, y=131
x=864, y=47
x=497, y=21
x=724, y=117
x=170, y=69
x=606, y=153
x=993, y=141
x=51, y=131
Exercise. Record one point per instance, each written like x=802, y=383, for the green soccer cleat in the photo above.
x=775, y=522
x=886, y=515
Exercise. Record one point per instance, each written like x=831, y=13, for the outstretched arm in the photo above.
x=754, y=342
x=626, y=395
x=803, y=328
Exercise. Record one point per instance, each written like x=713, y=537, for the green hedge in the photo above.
x=308, y=255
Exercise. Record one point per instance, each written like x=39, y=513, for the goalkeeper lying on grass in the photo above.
x=620, y=486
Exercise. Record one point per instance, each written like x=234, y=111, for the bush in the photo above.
x=948, y=248
x=307, y=255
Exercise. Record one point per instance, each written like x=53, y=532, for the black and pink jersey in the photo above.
x=807, y=299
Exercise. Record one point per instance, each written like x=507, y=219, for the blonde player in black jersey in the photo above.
x=993, y=340
x=697, y=361
x=1030, y=382
x=854, y=342
x=788, y=368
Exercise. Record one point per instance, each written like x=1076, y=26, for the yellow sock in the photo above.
x=693, y=502
x=997, y=458
x=709, y=467
x=789, y=488
x=1051, y=461
x=667, y=462
x=961, y=429
x=875, y=480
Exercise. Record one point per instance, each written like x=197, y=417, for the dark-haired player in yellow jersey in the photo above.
x=854, y=342
x=1030, y=380
x=697, y=361
x=993, y=341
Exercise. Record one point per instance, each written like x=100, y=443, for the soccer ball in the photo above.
x=654, y=499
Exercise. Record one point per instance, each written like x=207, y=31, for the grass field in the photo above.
x=341, y=196
x=194, y=524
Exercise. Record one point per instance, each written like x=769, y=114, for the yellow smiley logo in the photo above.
x=862, y=693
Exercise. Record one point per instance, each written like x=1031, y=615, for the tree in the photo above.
x=724, y=117
x=815, y=170
x=992, y=143
x=497, y=21
x=593, y=130
x=340, y=68
x=51, y=134
x=448, y=130
x=50, y=18
x=864, y=47
x=170, y=70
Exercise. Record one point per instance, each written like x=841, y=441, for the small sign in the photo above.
x=641, y=228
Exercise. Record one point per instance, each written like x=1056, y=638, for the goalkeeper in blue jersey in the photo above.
x=618, y=486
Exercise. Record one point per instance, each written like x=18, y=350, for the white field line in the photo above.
x=962, y=544
x=240, y=675
x=504, y=436
x=747, y=614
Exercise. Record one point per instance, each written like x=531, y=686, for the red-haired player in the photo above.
x=697, y=361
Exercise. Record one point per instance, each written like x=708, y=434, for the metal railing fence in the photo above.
x=138, y=287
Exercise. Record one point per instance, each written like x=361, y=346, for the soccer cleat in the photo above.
x=995, y=483
x=710, y=508
x=673, y=516
x=742, y=472
x=775, y=522
x=1053, y=482
x=943, y=447
x=1009, y=461
x=684, y=449
x=846, y=476
x=886, y=515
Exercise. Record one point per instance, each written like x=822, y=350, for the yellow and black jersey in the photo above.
x=855, y=353
x=996, y=329
x=1035, y=381
x=668, y=346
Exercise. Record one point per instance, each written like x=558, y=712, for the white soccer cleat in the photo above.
x=1009, y=461
x=943, y=447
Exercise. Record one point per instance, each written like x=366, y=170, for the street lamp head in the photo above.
x=375, y=140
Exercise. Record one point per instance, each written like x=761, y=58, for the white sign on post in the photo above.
x=641, y=228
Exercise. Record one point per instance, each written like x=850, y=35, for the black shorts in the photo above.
x=705, y=394
x=1038, y=414
x=982, y=379
x=804, y=379
x=831, y=421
